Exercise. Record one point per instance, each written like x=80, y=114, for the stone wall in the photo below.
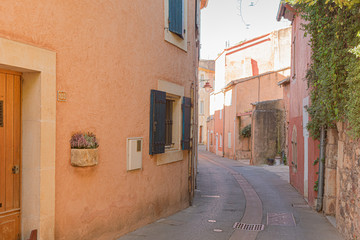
x=348, y=183
x=331, y=157
x=267, y=130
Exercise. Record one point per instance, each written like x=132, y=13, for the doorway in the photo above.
x=10, y=154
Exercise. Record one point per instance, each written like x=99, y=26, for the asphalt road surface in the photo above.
x=259, y=199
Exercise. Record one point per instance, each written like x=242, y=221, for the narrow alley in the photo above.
x=231, y=191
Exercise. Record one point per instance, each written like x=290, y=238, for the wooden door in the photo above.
x=10, y=140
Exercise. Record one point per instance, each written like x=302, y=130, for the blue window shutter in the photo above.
x=186, y=123
x=176, y=15
x=157, y=122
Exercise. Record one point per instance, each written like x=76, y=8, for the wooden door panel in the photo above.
x=9, y=139
x=2, y=146
x=17, y=140
x=10, y=226
x=10, y=155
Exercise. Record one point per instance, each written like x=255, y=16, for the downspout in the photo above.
x=235, y=123
x=223, y=135
x=320, y=196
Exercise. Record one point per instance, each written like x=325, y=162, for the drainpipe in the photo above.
x=320, y=196
x=234, y=146
x=223, y=135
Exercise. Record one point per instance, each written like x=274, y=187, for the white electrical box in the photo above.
x=134, y=153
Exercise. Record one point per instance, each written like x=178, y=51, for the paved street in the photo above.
x=232, y=191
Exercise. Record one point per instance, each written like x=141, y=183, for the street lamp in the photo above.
x=207, y=86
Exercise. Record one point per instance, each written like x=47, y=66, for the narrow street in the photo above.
x=231, y=191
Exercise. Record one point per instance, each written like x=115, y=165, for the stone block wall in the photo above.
x=267, y=130
x=331, y=157
x=348, y=184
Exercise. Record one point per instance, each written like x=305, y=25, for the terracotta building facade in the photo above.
x=245, y=74
x=206, y=81
x=93, y=66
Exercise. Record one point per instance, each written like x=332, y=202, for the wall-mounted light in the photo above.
x=207, y=86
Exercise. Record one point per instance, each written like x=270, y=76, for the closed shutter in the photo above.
x=157, y=122
x=186, y=112
x=176, y=9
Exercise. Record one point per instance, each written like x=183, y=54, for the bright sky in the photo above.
x=221, y=22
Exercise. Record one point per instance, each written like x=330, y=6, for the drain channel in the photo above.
x=248, y=227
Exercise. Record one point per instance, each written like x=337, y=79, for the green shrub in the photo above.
x=246, y=131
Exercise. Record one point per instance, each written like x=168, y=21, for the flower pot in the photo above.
x=84, y=157
x=277, y=160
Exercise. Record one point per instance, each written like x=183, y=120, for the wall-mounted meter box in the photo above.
x=134, y=153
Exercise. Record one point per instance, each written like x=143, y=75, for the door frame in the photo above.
x=38, y=104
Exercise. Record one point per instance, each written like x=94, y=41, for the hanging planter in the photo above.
x=84, y=150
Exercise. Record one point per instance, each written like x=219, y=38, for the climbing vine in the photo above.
x=334, y=74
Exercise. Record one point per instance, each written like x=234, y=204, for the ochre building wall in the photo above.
x=101, y=65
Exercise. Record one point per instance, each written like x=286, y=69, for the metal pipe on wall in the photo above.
x=320, y=196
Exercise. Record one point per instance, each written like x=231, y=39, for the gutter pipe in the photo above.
x=320, y=195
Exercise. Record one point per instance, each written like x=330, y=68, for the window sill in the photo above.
x=170, y=156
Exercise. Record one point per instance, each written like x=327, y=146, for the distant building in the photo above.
x=206, y=79
x=245, y=74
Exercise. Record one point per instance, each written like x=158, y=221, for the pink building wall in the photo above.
x=249, y=72
x=101, y=65
x=301, y=58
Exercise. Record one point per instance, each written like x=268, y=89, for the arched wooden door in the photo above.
x=10, y=145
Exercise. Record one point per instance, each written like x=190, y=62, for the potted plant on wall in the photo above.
x=246, y=131
x=84, y=150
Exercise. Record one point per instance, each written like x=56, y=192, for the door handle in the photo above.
x=15, y=169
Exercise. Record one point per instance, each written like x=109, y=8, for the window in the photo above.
x=228, y=98
x=166, y=130
x=175, y=12
x=220, y=141
x=220, y=113
x=169, y=123
x=229, y=139
x=176, y=17
x=211, y=138
x=201, y=108
x=202, y=80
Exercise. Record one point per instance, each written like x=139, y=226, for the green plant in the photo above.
x=246, y=131
x=285, y=160
x=83, y=141
x=316, y=186
x=334, y=73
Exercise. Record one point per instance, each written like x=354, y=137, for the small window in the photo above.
x=175, y=23
x=220, y=113
x=229, y=139
x=176, y=17
x=220, y=140
x=169, y=123
x=202, y=80
x=201, y=108
x=165, y=122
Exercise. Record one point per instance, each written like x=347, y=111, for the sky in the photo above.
x=221, y=21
